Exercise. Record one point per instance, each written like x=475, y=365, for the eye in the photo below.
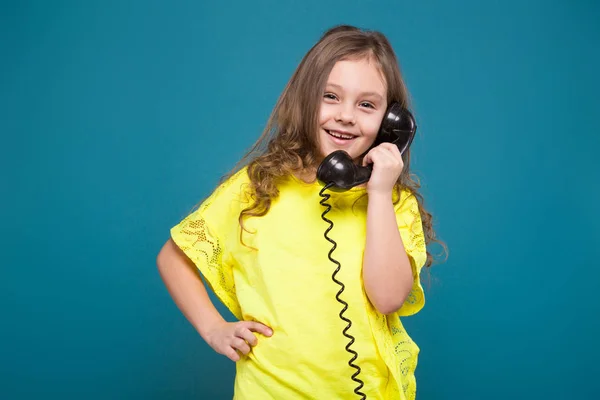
x=330, y=96
x=367, y=104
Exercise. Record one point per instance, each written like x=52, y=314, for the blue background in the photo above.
x=117, y=117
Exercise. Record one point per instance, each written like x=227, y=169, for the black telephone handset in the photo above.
x=338, y=172
x=338, y=169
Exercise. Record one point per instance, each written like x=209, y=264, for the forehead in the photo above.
x=360, y=75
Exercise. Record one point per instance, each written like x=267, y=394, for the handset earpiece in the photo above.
x=398, y=127
x=339, y=170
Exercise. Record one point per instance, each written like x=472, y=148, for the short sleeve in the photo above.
x=206, y=236
x=410, y=226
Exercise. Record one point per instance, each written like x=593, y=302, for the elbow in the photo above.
x=387, y=308
x=164, y=256
x=161, y=263
x=170, y=257
x=390, y=304
x=159, y=260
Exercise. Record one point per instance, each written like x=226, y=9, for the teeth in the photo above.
x=340, y=135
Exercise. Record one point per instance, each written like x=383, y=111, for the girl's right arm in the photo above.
x=187, y=290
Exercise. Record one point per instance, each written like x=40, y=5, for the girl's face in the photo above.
x=352, y=107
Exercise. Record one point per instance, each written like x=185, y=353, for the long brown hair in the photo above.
x=289, y=142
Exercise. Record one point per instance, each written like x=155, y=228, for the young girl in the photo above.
x=258, y=240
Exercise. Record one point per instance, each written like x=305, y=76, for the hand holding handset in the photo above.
x=338, y=172
x=338, y=169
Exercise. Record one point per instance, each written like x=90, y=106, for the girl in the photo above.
x=258, y=240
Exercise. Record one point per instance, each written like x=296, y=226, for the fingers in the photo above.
x=367, y=159
x=391, y=149
x=241, y=345
x=372, y=156
x=394, y=150
x=243, y=338
x=232, y=354
x=386, y=154
x=258, y=327
x=244, y=333
x=234, y=340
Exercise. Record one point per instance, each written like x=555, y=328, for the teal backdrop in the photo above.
x=117, y=117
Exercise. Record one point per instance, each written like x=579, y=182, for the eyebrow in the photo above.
x=374, y=94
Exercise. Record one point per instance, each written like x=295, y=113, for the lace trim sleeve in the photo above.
x=205, y=250
x=411, y=231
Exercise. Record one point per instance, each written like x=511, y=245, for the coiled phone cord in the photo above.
x=360, y=383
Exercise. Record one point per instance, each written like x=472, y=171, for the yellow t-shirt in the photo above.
x=281, y=276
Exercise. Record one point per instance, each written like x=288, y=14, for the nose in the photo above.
x=345, y=115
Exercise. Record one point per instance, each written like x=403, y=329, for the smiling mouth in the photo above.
x=339, y=135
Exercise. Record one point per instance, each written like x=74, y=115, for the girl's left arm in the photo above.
x=387, y=273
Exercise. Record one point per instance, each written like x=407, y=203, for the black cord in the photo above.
x=344, y=332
